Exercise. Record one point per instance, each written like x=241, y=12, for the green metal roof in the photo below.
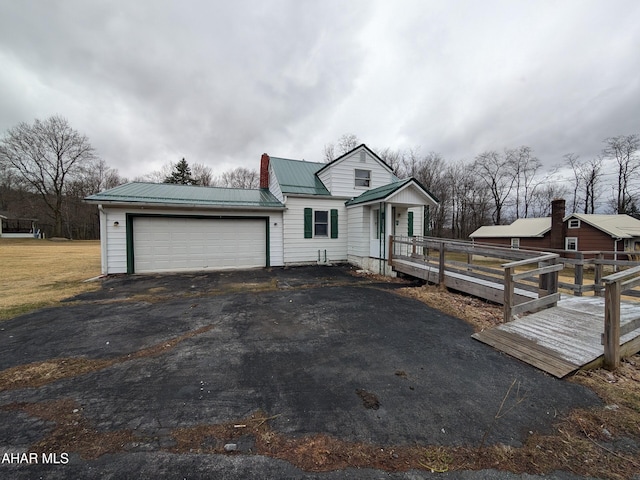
x=381, y=193
x=172, y=194
x=298, y=176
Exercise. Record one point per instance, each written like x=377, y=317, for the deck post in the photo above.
x=413, y=247
x=508, y=293
x=553, y=281
x=441, y=265
x=578, y=274
x=612, y=325
x=543, y=281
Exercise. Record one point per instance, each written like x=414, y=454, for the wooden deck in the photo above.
x=566, y=338
x=540, y=325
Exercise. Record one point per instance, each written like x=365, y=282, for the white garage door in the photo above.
x=166, y=244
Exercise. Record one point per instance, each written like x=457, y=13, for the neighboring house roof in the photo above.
x=382, y=193
x=521, y=228
x=298, y=176
x=173, y=194
x=11, y=216
x=618, y=226
x=344, y=155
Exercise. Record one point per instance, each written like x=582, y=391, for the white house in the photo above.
x=303, y=213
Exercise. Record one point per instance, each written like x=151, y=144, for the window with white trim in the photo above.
x=363, y=178
x=515, y=243
x=571, y=243
x=320, y=223
x=574, y=223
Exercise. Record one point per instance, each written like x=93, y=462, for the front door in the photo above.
x=377, y=236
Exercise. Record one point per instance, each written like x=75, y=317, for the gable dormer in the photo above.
x=355, y=172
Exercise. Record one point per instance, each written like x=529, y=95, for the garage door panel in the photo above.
x=182, y=244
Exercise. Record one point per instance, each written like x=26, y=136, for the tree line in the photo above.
x=47, y=168
x=498, y=187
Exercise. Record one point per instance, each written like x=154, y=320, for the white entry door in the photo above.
x=376, y=239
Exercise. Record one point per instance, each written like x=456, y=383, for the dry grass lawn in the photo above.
x=40, y=273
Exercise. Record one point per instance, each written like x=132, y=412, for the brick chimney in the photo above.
x=264, y=171
x=556, y=237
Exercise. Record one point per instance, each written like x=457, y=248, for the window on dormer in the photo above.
x=363, y=178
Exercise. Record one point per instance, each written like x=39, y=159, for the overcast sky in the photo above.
x=219, y=83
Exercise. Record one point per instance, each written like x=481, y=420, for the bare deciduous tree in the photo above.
x=47, y=155
x=346, y=142
x=240, y=177
x=497, y=173
x=525, y=168
x=592, y=177
x=624, y=149
x=547, y=192
x=393, y=158
x=202, y=174
x=329, y=152
x=571, y=159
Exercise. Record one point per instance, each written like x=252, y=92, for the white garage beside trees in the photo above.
x=303, y=213
x=148, y=227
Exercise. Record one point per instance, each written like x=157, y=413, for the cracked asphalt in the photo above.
x=294, y=343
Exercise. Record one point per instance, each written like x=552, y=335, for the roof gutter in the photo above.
x=189, y=206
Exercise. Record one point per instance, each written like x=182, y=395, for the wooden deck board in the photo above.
x=527, y=351
x=569, y=333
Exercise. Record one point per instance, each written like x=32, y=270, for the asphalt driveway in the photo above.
x=310, y=351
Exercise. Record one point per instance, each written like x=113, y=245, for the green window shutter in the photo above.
x=308, y=223
x=410, y=224
x=334, y=223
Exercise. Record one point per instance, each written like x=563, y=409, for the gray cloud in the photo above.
x=222, y=82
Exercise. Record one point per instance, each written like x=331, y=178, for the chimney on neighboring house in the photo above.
x=264, y=171
x=556, y=238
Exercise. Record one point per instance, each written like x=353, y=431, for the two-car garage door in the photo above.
x=164, y=244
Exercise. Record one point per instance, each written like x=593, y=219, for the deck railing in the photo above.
x=614, y=286
x=441, y=257
x=547, y=276
x=587, y=269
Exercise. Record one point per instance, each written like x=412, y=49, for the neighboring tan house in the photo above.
x=580, y=232
x=303, y=213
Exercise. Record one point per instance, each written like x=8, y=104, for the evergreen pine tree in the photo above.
x=181, y=174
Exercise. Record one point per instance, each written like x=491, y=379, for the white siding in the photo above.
x=358, y=241
x=305, y=250
x=339, y=178
x=116, y=236
x=418, y=214
x=116, y=241
x=408, y=196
